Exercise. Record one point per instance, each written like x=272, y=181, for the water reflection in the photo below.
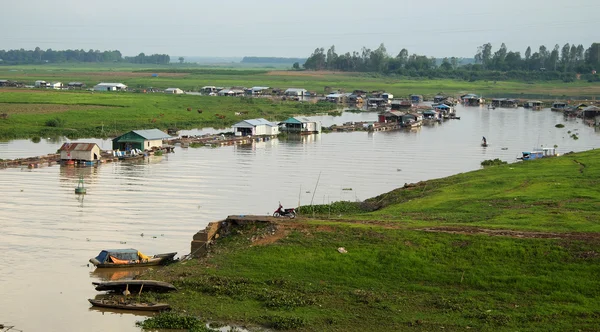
x=169, y=198
x=111, y=274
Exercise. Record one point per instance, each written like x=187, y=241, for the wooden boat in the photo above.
x=135, y=286
x=137, y=306
x=121, y=258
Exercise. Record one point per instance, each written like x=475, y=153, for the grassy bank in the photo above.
x=193, y=78
x=35, y=113
x=404, y=271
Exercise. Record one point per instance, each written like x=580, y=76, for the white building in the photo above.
x=175, y=91
x=54, y=85
x=255, y=127
x=110, y=87
x=209, y=89
x=296, y=92
x=80, y=151
x=40, y=84
x=231, y=92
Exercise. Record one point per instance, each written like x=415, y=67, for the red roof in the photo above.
x=77, y=146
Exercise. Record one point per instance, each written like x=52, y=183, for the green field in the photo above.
x=46, y=113
x=508, y=248
x=193, y=78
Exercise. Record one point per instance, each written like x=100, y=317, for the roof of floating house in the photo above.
x=442, y=106
x=148, y=134
x=254, y=123
x=297, y=120
x=78, y=146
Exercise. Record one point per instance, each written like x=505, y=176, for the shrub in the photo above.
x=493, y=162
x=56, y=123
x=560, y=125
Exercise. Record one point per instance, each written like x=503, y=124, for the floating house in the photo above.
x=40, y=84
x=391, y=117
x=412, y=120
x=534, y=104
x=444, y=109
x=439, y=99
x=401, y=105
x=110, y=87
x=387, y=97
x=432, y=115
x=140, y=139
x=471, y=100
x=174, y=91
x=376, y=102
x=416, y=99
x=80, y=152
x=504, y=102
x=559, y=106
x=590, y=112
x=255, y=127
x=337, y=98
x=294, y=92
x=300, y=125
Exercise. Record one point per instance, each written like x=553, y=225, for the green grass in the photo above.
x=396, y=277
x=86, y=114
x=189, y=77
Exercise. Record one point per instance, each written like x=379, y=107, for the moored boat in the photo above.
x=120, y=258
x=558, y=106
x=134, y=286
x=137, y=306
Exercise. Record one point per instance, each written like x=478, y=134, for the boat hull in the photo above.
x=129, y=306
x=135, y=286
x=155, y=260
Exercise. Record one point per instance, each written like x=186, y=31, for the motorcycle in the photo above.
x=281, y=212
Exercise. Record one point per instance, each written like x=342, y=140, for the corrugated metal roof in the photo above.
x=152, y=134
x=77, y=146
x=297, y=120
x=254, y=123
x=112, y=84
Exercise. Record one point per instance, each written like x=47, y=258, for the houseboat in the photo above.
x=416, y=99
x=559, y=106
x=401, y=105
x=504, y=103
x=533, y=104
x=376, y=102
x=300, y=125
x=471, y=100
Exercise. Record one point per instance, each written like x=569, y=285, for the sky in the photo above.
x=236, y=28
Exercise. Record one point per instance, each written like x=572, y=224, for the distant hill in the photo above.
x=272, y=60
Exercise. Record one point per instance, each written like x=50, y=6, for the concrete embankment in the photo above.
x=214, y=230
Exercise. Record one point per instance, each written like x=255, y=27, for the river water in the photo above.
x=156, y=205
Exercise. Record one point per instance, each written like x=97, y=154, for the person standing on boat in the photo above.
x=484, y=141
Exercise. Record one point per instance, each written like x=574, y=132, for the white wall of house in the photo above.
x=149, y=144
x=94, y=154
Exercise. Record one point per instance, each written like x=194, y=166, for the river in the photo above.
x=156, y=205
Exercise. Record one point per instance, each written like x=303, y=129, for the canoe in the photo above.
x=123, y=258
x=129, y=305
x=134, y=286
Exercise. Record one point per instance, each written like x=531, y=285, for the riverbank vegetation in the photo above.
x=508, y=247
x=47, y=113
x=557, y=64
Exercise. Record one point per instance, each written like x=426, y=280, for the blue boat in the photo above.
x=119, y=258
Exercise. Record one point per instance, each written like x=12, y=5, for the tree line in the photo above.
x=22, y=56
x=558, y=63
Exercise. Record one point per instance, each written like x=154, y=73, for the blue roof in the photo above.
x=442, y=106
x=152, y=134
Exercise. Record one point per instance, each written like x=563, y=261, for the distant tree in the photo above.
x=181, y=59
x=296, y=65
x=446, y=65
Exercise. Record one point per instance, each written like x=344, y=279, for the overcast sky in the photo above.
x=233, y=28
